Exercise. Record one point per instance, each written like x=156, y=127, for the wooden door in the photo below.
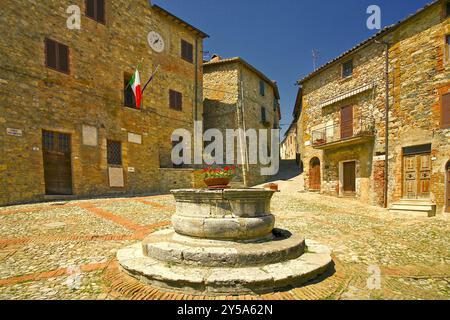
x=349, y=177
x=314, y=175
x=346, y=122
x=448, y=188
x=57, y=163
x=416, y=176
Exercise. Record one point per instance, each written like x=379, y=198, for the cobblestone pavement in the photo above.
x=66, y=250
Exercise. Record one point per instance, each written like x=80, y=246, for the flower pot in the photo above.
x=217, y=183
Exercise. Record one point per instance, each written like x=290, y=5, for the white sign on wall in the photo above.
x=307, y=143
x=131, y=169
x=14, y=132
x=134, y=138
x=90, y=136
x=116, y=179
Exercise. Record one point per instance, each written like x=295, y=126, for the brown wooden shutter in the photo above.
x=445, y=111
x=90, y=8
x=187, y=51
x=346, y=122
x=175, y=100
x=50, y=51
x=101, y=11
x=63, y=58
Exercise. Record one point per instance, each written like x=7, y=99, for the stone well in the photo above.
x=223, y=242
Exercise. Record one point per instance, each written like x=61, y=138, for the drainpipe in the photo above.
x=386, y=162
x=196, y=81
x=241, y=125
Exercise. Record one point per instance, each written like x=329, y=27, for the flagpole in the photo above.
x=151, y=78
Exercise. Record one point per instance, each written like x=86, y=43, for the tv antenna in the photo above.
x=315, y=56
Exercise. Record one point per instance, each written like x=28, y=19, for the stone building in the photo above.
x=343, y=144
x=69, y=125
x=289, y=144
x=238, y=96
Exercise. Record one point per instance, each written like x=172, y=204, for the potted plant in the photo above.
x=218, y=178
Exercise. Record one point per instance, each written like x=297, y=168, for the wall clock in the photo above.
x=156, y=41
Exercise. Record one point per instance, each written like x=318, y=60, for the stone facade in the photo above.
x=91, y=96
x=289, y=144
x=230, y=84
x=419, y=76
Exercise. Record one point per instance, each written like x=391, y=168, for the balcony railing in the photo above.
x=361, y=128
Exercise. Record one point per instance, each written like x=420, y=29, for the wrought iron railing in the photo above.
x=362, y=126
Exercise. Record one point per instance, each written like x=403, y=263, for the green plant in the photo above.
x=212, y=172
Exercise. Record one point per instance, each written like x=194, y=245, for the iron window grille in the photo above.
x=114, y=150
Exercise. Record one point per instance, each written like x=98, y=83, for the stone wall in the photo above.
x=221, y=96
x=419, y=76
x=34, y=97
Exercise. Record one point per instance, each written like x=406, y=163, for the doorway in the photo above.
x=349, y=179
x=57, y=163
x=416, y=176
x=314, y=175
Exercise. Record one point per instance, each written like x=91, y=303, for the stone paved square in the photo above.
x=41, y=244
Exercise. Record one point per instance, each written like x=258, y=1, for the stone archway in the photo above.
x=314, y=175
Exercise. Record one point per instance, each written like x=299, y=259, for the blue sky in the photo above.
x=277, y=36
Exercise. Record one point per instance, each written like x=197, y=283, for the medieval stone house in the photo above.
x=238, y=96
x=342, y=140
x=289, y=143
x=69, y=124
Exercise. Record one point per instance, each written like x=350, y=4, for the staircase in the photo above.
x=420, y=208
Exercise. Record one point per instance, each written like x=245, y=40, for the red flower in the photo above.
x=227, y=169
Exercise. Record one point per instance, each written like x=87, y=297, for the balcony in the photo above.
x=362, y=130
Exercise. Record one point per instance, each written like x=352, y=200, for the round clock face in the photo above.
x=155, y=41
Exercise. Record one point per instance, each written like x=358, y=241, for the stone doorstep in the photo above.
x=418, y=208
x=220, y=281
x=163, y=246
x=60, y=197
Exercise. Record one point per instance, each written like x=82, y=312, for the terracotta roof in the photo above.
x=363, y=44
x=179, y=20
x=272, y=83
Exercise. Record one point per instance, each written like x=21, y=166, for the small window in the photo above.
x=56, y=56
x=187, y=51
x=175, y=100
x=263, y=115
x=262, y=88
x=447, y=9
x=347, y=69
x=128, y=94
x=114, y=150
x=95, y=9
x=445, y=111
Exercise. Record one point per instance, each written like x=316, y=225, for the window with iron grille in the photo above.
x=187, y=51
x=56, y=56
x=128, y=94
x=95, y=9
x=347, y=69
x=114, y=150
x=175, y=100
x=47, y=140
x=262, y=88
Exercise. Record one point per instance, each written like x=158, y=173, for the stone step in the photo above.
x=413, y=213
x=169, y=247
x=414, y=207
x=223, y=280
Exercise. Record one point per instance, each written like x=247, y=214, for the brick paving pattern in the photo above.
x=66, y=250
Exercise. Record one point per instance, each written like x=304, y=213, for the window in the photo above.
x=56, y=56
x=263, y=115
x=445, y=111
x=187, y=51
x=128, y=94
x=114, y=150
x=175, y=100
x=262, y=88
x=95, y=9
x=447, y=9
x=347, y=69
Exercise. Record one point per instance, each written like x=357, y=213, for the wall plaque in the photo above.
x=14, y=132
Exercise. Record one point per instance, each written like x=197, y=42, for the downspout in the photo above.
x=243, y=140
x=386, y=146
x=196, y=81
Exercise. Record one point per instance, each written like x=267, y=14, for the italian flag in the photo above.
x=135, y=84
